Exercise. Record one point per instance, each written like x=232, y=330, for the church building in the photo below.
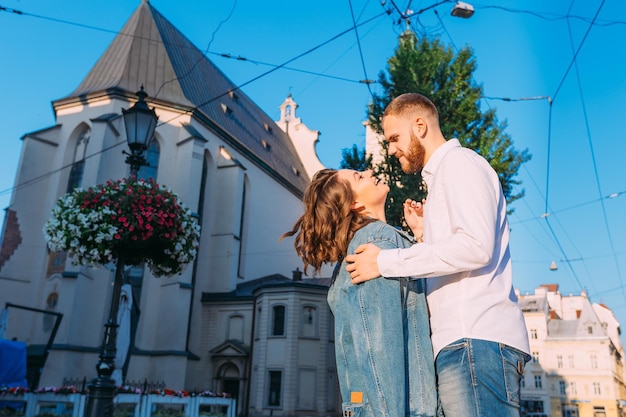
x=241, y=319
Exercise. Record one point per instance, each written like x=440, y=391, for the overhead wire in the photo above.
x=594, y=162
x=338, y=58
x=582, y=42
x=283, y=66
x=53, y=19
x=43, y=176
x=549, y=144
x=219, y=25
x=555, y=17
x=205, y=52
x=456, y=49
x=318, y=74
x=308, y=51
x=576, y=206
x=395, y=6
x=546, y=212
x=551, y=231
x=358, y=41
x=549, y=226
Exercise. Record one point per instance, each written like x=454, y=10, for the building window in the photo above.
x=152, y=158
x=559, y=361
x=56, y=263
x=562, y=388
x=599, y=412
x=538, y=381
x=572, y=389
x=594, y=361
x=278, y=321
x=78, y=160
x=533, y=333
x=76, y=175
x=535, y=356
x=570, y=359
x=235, y=327
x=243, y=228
x=288, y=113
x=308, y=322
x=257, y=328
x=531, y=406
x=273, y=394
x=596, y=388
x=51, y=305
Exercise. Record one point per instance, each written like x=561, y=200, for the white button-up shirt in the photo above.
x=465, y=254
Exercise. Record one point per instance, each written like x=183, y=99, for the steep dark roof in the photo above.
x=150, y=51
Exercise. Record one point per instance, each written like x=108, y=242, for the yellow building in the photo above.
x=577, y=365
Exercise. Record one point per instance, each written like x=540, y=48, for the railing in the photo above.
x=144, y=386
x=126, y=405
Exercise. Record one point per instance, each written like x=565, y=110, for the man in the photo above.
x=478, y=331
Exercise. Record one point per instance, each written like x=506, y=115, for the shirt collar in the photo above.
x=430, y=169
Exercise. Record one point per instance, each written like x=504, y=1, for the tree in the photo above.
x=429, y=68
x=356, y=159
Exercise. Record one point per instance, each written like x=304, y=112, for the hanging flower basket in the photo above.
x=136, y=219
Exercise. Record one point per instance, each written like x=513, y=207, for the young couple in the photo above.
x=469, y=357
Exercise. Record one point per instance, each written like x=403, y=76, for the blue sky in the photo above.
x=523, y=50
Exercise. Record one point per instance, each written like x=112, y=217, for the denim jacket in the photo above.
x=382, y=336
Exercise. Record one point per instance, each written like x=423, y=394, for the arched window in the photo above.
x=51, y=304
x=243, y=228
x=152, y=158
x=78, y=160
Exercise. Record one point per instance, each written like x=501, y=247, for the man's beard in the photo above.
x=414, y=158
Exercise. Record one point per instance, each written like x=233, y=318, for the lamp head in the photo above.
x=462, y=9
x=140, y=122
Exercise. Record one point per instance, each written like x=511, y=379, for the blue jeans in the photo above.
x=382, y=345
x=480, y=378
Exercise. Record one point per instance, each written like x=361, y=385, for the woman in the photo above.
x=382, y=335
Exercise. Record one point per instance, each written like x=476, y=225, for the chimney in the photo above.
x=297, y=275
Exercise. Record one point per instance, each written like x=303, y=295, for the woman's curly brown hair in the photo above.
x=328, y=224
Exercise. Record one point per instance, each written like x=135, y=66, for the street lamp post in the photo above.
x=140, y=122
